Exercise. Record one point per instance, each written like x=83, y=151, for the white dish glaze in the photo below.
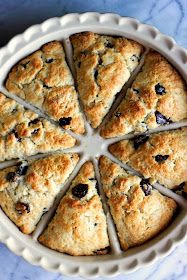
x=117, y=261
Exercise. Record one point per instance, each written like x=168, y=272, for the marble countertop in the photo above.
x=170, y=16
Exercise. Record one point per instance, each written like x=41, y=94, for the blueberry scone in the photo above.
x=159, y=156
x=24, y=133
x=28, y=189
x=139, y=212
x=157, y=97
x=103, y=65
x=44, y=80
x=79, y=225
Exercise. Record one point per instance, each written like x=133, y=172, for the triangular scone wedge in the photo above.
x=28, y=189
x=44, y=80
x=24, y=133
x=159, y=156
x=139, y=212
x=79, y=225
x=103, y=65
x=158, y=96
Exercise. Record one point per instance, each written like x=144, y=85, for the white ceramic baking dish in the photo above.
x=117, y=261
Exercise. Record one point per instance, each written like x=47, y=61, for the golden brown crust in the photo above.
x=24, y=133
x=103, y=65
x=157, y=88
x=147, y=159
x=138, y=217
x=27, y=191
x=44, y=80
x=79, y=226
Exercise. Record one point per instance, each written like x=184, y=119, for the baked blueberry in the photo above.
x=49, y=60
x=180, y=189
x=12, y=177
x=117, y=114
x=22, y=208
x=139, y=140
x=21, y=169
x=16, y=135
x=100, y=61
x=35, y=131
x=160, y=89
x=14, y=110
x=96, y=74
x=45, y=86
x=181, y=186
x=109, y=45
x=80, y=190
x=161, y=119
x=160, y=158
x=24, y=65
x=35, y=121
x=65, y=121
x=136, y=90
x=146, y=187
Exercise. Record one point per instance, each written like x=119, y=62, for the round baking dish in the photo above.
x=117, y=261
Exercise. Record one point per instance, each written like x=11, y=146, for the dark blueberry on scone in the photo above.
x=100, y=61
x=22, y=169
x=79, y=226
x=12, y=177
x=16, y=135
x=22, y=208
x=160, y=89
x=161, y=119
x=117, y=114
x=139, y=140
x=80, y=190
x=65, y=121
x=109, y=45
x=161, y=158
x=136, y=90
x=49, y=60
x=146, y=187
x=96, y=74
x=35, y=121
x=14, y=110
x=46, y=86
x=24, y=65
x=35, y=131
